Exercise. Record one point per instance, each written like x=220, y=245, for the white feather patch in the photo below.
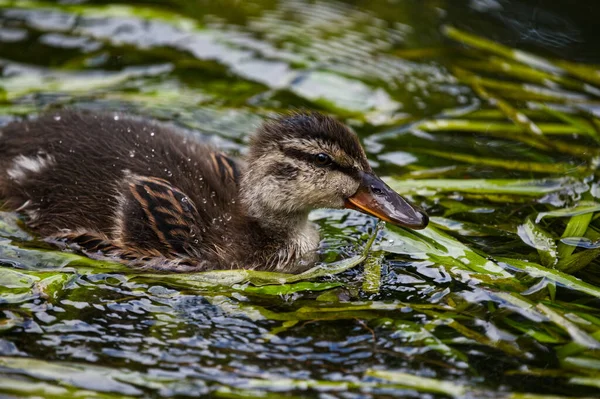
x=23, y=166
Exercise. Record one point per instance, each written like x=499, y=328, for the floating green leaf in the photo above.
x=421, y=384
x=535, y=236
x=439, y=248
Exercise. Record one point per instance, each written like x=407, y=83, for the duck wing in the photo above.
x=153, y=219
x=154, y=215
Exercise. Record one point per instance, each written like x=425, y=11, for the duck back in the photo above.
x=106, y=178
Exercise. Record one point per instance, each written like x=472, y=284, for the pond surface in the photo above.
x=499, y=299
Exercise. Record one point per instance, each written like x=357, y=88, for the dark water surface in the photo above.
x=216, y=69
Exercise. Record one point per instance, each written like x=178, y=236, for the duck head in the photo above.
x=306, y=161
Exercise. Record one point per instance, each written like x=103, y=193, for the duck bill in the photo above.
x=376, y=198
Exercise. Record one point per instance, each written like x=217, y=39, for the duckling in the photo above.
x=117, y=186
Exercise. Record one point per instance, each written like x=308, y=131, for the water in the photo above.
x=216, y=69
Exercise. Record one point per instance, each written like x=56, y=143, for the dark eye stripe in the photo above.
x=309, y=158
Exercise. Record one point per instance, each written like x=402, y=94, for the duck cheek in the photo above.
x=326, y=197
x=338, y=191
x=348, y=187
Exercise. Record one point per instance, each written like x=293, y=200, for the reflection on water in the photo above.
x=216, y=69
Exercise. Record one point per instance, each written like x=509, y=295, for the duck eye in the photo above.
x=322, y=159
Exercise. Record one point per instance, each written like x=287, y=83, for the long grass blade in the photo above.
x=577, y=123
x=559, y=67
x=583, y=208
x=522, y=91
x=528, y=188
x=576, y=262
x=509, y=131
x=536, y=167
x=579, y=336
x=566, y=280
x=372, y=273
x=576, y=227
x=503, y=67
x=489, y=46
x=474, y=126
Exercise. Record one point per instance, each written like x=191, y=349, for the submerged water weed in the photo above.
x=498, y=298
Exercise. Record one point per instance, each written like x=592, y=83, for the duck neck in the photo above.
x=287, y=234
x=279, y=224
x=265, y=199
x=287, y=242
